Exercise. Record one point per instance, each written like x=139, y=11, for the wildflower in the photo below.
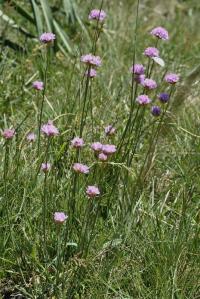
x=31, y=137
x=102, y=157
x=163, y=97
x=38, y=85
x=110, y=130
x=172, y=78
x=60, y=217
x=81, y=168
x=96, y=146
x=47, y=37
x=156, y=110
x=8, y=133
x=160, y=32
x=91, y=60
x=49, y=129
x=92, y=191
x=137, y=69
x=143, y=99
x=109, y=149
x=149, y=84
x=77, y=142
x=97, y=14
x=92, y=73
x=139, y=79
x=151, y=52
x=45, y=167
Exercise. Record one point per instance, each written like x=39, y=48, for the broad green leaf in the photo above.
x=37, y=17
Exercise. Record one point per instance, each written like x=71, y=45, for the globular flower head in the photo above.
x=172, y=78
x=92, y=73
x=38, y=85
x=49, y=129
x=110, y=130
x=151, y=52
x=31, y=137
x=81, y=168
x=60, y=217
x=160, y=33
x=91, y=59
x=102, y=157
x=8, y=133
x=45, y=167
x=139, y=79
x=156, y=110
x=143, y=99
x=97, y=14
x=77, y=142
x=109, y=149
x=137, y=69
x=96, y=146
x=92, y=191
x=163, y=97
x=47, y=37
x=149, y=84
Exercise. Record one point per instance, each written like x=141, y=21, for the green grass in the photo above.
x=140, y=237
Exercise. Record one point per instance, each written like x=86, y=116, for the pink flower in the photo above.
x=31, y=137
x=38, y=85
x=77, y=142
x=172, y=78
x=91, y=60
x=97, y=14
x=143, y=99
x=60, y=217
x=139, y=79
x=151, y=52
x=49, y=129
x=96, y=146
x=47, y=37
x=45, y=167
x=160, y=32
x=92, y=191
x=81, y=168
x=102, y=157
x=110, y=130
x=137, y=69
x=149, y=84
x=109, y=149
x=8, y=133
x=92, y=73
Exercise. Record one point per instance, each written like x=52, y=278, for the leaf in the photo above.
x=23, y=12
x=47, y=14
x=159, y=61
x=62, y=35
x=37, y=17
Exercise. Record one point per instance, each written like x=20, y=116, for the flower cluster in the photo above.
x=97, y=14
x=91, y=59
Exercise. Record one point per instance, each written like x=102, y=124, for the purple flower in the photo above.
x=49, y=129
x=172, y=78
x=77, y=142
x=149, y=84
x=143, y=99
x=151, y=52
x=97, y=14
x=96, y=146
x=92, y=191
x=163, y=97
x=38, y=85
x=92, y=73
x=45, y=167
x=47, y=37
x=109, y=149
x=160, y=32
x=91, y=60
x=137, y=69
x=81, y=168
x=103, y=157
x=156, y=110
x=31, y=137
x=60, y=217
x=8, y=133
x=110, y=130
x=140, y=79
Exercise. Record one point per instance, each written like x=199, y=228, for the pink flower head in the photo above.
x=91, y=60
x=45, y=167
x=92, y=191
x=92, y=73
x=139, y=79
x=77, y=142
x=8, y=133
x=149, y=84
x=160, y=32
x=102, y=157
x=31, y=137
x=81, y=168
x=60, y=217
x=151, y=52
x=96, y=146
x=38, y=85
x=47, y=37
x=49, y=129
x=110, y=130
x=143, y=99
x=172, y=78
x=109, y=149
x=97, y=14
x=137, y=69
